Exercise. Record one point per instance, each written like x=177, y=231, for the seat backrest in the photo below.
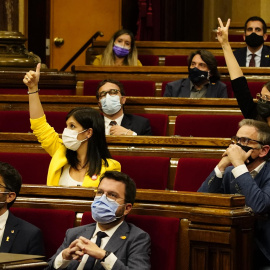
x=22, y=91
x=18, y=121
x=164, y=234
x=229, y=89
x=147, y=172
x=176, y=60
x=218, y=126
x=220, y=60
x=131, y=88
x=163, y=87
x=33, y=167
x=149, y=60
x=191, y=172
x=52, y=222
x=158, y=122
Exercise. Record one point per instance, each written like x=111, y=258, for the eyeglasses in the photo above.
x=110, y=196
x=262, y=98
x=111, y=92
x=244, y=140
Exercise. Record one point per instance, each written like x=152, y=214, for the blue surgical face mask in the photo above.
x=120, y=52
x=103, y=209
x=111, y=104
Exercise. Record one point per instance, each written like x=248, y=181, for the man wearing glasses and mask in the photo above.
x=110, y=243
x=249, y=175
x=16, y=235
x=111, y=99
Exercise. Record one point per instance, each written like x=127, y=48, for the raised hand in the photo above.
x=31, y=78
x=222, y=32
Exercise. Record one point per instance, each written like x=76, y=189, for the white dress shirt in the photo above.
x=108, y=121
x=3, y=221
x=60, y=263
x=257, y=58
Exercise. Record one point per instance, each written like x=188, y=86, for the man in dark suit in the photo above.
x=203, y=81
x=18, y=236
x=123, y=246
x=250, y=176
x=256, y=54
x=111, y=99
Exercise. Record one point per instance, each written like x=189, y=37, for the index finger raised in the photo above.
x=220, y=22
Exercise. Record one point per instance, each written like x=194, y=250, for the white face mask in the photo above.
x=111, y=104
x=70, y=140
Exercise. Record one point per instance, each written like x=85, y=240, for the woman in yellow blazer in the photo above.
x=120, y=51
x=81, y=156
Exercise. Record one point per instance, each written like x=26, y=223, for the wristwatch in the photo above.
x=107, y=253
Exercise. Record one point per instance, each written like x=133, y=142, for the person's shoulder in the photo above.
x=82, y=228
x=134, y=117
x=178, y=82
x=23, y=224
x=240, y=51
x=219, y=84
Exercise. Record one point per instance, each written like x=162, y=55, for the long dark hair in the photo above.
x=97, y=146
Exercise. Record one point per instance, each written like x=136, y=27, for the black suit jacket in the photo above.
x=181, y=88
x=137, y=123
x=21, y=237
x=241, y=55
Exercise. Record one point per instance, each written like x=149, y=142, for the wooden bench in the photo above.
x=174, y=148
x=215, y=224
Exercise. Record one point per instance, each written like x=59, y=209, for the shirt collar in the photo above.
x=108, y=121
x=258, y=53
x=193, y=86
x=3, y=220
x=109, y=232
x=258, y=168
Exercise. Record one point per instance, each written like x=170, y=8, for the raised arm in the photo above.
x=31, y=80
x=232, y=64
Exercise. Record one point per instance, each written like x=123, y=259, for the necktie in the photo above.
x=113, y=123
x=252, y=60
x=91, y=261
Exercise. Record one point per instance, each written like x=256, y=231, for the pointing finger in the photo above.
x=220, y=22
x=228, y=23
x=38, y=68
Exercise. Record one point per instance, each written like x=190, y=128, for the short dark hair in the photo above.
x=210, y=61
x=263, y=131
x=119, y=84
x=97, y=146
x=130, y=191
x=256, y=18
x=11, y=178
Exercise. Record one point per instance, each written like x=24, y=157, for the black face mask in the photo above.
x=198, y=76
x=263, y=109
x=246, y=149
x=254, y=40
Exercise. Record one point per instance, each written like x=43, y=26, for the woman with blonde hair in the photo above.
x=120, y=51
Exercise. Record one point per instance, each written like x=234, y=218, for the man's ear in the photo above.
x=123, y=100
x=11, y=196
x=265, y=37
x=128, y=208
x=264, y=151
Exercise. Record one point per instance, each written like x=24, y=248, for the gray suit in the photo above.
x=133, y=252
x=181, y=88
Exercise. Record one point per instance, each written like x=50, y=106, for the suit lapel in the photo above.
x=126, y=123
x=242, y=58
x=184, y=89
x=10, y=233
x=265, y=58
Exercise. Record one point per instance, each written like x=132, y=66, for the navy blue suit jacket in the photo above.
x=132, y=251
x=181, y=88
x=241, y=55
x=257, y=195
x=137, y=123
x=21, y=237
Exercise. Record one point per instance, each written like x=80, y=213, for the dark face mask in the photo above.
x=246, y=149
x=254, y=40
x=263, y=109
x=197, y=76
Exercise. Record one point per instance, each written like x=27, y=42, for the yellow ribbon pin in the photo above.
x=7, y=239
x=123, y=237
x=12, y=231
